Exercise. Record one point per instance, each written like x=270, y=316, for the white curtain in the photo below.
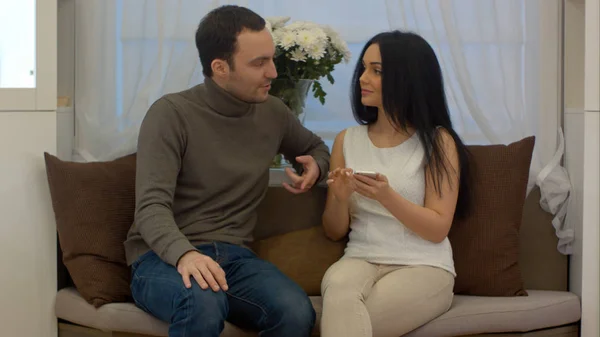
x=501, y=64
x=500, y=60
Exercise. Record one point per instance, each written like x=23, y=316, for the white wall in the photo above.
x=574, y=45
x=574, y=56
x=591, y=173
x=592, y=55
x=581, y=137
x=27, y=229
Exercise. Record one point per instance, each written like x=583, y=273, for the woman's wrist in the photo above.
x=341, y=201
x=387, y=197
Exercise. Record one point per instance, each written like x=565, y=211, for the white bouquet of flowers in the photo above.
x=305, y=51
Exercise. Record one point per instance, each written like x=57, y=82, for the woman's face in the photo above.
x=370, y=80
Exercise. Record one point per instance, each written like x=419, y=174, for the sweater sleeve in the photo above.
x=297, y=140
x=161, y=145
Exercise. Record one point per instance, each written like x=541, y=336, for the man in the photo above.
x=202, y=170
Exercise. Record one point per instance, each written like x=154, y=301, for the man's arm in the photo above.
x=299, y=141
x=161, y=144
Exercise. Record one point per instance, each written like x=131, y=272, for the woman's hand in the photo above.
x=341, y=183
x=376, y=189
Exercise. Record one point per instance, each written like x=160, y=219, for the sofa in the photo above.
x=290, y=235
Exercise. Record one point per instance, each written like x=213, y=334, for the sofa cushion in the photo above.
x=122, y=317
x=289, y=234
x=477, y=314
x=282, y=212
x=303, y=255
x=467, y=315
x=126, y=317
x=94, y=207
x=486, y=243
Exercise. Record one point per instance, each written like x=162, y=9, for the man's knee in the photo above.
x=293, y=312
x=198, y=312
x=205, y=309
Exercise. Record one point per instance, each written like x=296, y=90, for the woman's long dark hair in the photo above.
x=413, y=95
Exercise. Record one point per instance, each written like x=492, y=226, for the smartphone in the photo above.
x=370, y=174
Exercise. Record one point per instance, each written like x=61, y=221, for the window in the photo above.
x=17, y=51
x=27, y=55
x=129, y=53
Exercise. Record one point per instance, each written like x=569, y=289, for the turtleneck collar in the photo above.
x=223, y=102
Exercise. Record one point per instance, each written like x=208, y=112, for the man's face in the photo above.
x=253, y=67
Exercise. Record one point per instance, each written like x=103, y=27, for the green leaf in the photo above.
x=319, y=93
x=330, y=79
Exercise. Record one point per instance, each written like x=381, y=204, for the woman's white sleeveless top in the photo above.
x=376, y=235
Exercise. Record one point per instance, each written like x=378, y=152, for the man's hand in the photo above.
x=301, y=184
x=204, y=270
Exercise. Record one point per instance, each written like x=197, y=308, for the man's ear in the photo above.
x=220, y=68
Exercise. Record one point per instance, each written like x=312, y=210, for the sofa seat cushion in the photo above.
x=468, y=315
x=126, y=317
x=479, y=314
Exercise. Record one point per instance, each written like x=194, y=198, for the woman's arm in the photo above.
x=336, y=217
x=433, y=220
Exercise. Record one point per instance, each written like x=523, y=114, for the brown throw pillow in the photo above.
x=303, y=255
x=94, y=208
x=486, y=244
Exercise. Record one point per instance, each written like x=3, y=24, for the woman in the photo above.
x=397, y=272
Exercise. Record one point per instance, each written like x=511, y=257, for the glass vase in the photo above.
x=293, y=94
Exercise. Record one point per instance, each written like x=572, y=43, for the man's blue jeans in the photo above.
x=260, y=297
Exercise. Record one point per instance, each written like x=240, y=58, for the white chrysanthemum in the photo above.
x=269, y=27
x=295, y=25
x=343, y=49
x=311, y=39
x=286, y=39
x=316, y=51
x=301, y=25
x=277, y=35
x=297, y=55
x=338, y=43
x=277, y=22
x=303, y=41
x=306, y=39
x=347, y=56
x=330, y=32
x=320, y=34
